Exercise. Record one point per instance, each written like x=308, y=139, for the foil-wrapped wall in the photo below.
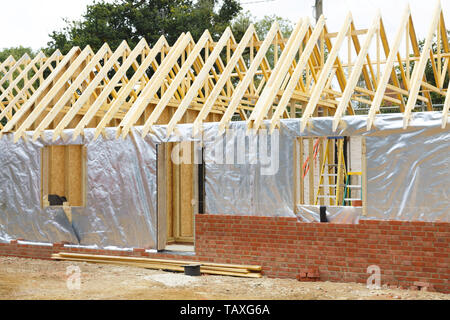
x=120, y=201
x=408, y=178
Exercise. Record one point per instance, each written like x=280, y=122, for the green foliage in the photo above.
x=132, y=20
x=16, y=52
x=262, y=26
x=242, y=22
x=435, y=97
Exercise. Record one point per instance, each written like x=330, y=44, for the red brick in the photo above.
x=407, y=252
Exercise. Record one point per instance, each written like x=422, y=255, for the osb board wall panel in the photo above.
x=74, y=175
x=180, y=192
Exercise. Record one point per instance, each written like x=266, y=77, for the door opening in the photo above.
x=179, y=182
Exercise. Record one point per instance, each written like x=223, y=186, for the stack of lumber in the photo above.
x=248, y=271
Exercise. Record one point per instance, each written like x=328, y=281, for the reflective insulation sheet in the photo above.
x=408, y=175
x=408, y=178
x=243, y=178
x=120, y=200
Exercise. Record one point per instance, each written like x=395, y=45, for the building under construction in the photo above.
x=324, y=150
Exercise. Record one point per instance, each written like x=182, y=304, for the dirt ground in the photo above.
x=39, y=279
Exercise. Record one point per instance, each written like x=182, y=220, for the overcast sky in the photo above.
x=28, y=22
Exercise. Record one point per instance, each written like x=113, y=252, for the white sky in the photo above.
x=28, y=22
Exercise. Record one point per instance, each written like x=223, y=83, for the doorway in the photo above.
x=178, y=195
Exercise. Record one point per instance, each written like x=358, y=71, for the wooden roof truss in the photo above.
x=311, y=73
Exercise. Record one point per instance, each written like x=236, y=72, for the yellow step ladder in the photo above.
x=349, y=187
x=334, y=170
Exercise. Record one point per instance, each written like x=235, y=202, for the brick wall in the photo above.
x=406, y=252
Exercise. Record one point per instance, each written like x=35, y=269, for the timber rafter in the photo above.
x=311, y=73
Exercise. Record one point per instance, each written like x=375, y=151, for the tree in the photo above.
x=132, y=20
x=436, y=98
x=262, y=26
x=16, y=52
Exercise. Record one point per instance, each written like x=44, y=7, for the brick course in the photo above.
x=406, y=252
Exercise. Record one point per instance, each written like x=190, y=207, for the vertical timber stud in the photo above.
x=84, y=181
x=161, y=231
x=44, y=176
x=311, y=170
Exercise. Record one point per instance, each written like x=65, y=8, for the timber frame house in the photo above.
x=195, y=82
x=90, y=151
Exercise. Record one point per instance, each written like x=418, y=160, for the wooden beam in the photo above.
x=446, y=108
x=160, y=45
x=273, y=84
x=196, y=85
x=21, y=76
x=419, y=68
x=246, y=81
x=356, y=72
x=68, y=94
x=193, y=56
x=41, y=89
x=295, y=77
x=224, y=77
x=120, y=74
x=58, y=86
x=25, y=90
x=315, y=96
x=157, y=80
x=376, y=102
x=89, y=91
x=25, y=59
